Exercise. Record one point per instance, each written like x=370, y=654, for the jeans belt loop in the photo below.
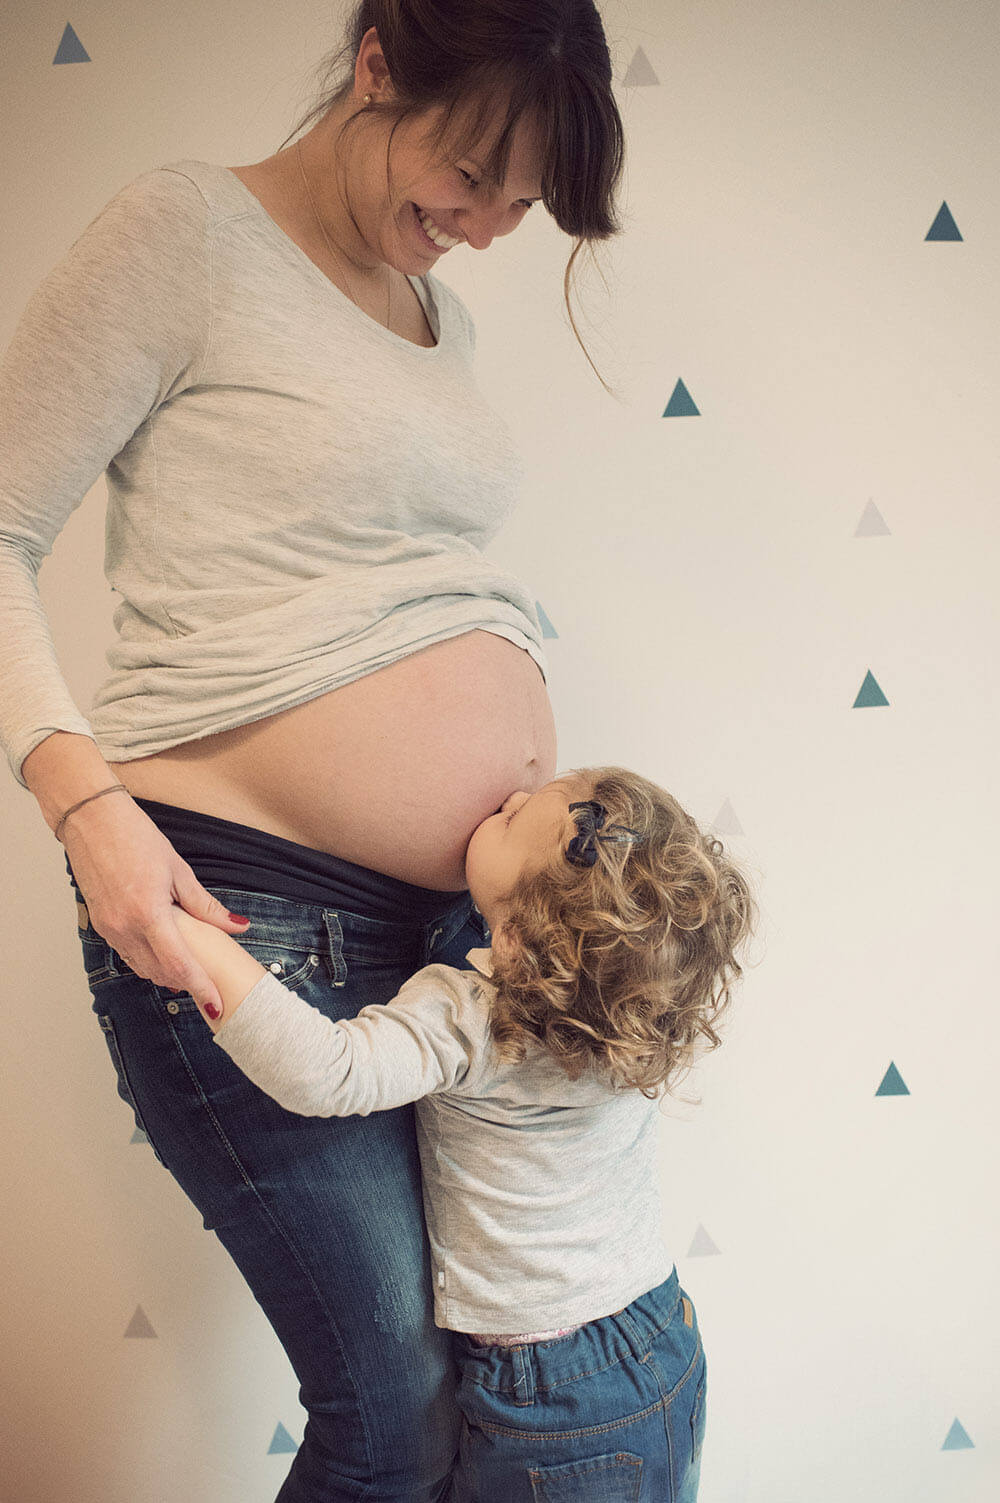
x=523, y=1360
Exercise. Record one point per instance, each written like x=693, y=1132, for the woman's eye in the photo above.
x=525, y=203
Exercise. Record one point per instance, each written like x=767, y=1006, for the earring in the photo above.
x=368, y=99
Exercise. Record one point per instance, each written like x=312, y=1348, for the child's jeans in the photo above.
x=613, y=1413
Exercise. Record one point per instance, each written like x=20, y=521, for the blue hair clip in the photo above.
x=582, y=849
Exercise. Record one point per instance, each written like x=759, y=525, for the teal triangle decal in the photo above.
x=869, y=695
x=893, y=1084
x=872, y=524
x=640, y=71
x=680, y=404
x=957, y=1439
x=548, y=630
x=71, y=49
x=944, y=226
x=139, y=1324
x=281, y=1442
x=702, y=1245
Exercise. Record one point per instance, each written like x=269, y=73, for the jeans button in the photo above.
x=173, y=1007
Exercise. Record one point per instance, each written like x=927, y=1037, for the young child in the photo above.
x=614, y=925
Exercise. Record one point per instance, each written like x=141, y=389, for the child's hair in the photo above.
x=626, y=964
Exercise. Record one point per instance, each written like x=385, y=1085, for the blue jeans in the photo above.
x=614, y=1413
x=322, y=1216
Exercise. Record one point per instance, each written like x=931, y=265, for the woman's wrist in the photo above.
x=62, y=770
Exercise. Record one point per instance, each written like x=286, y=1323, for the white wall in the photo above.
x=716, y=616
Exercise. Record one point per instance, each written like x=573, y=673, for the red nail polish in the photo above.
x=239, y=918
x=213, y=1011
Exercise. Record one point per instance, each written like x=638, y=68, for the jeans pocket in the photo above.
x=99, y=960
x=124, y=1086
x=613, y=1478
x=293, y=968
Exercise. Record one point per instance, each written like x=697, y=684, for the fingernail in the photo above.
x=238, y=918
x=213, y=1011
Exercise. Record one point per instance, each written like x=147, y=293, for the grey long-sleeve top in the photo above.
x=540, y=1193
x=296, y=495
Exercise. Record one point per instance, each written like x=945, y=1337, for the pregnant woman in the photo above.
x=320, y=686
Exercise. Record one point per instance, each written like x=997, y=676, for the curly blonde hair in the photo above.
x=627, y=964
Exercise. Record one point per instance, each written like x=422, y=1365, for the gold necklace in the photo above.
x=298, y=152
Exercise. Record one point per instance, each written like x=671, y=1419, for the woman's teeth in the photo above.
x=431, y=230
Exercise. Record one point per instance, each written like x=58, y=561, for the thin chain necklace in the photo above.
x=298, y=152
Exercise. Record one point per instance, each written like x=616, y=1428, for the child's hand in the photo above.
x=233, y=969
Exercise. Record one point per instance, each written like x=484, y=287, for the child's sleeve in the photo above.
x=423, y=1040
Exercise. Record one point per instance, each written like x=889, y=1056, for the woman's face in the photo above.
x=427, y=200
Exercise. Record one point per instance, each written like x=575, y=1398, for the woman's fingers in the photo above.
x=200, y=903
x=174, y=964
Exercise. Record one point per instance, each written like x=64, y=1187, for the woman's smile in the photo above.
x=423, y=219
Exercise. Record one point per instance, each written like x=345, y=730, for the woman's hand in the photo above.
x=131, y=878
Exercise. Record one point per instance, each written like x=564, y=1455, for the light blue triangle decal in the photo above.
x=640, y=71
x=139, y=1324
x=71, y=49
x=944, y=226
x=957, y=1439
x=680, y=404
x=138, y=1136
x=872, y=524
x=869, y=695
x=281, y=1442
x=702, y=1246
x=726, y=822
x=893, y=1084
x=548, y=630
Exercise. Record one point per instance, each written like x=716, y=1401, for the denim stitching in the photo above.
x=537, y=1435
x=587, y=1372
x=283, y=1234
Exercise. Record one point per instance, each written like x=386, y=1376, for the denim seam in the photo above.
x=283, y=1234
x=108, y=1029
x=587, y=1372
x=582, y=1469
x=670, y=1395
x=539, y=1435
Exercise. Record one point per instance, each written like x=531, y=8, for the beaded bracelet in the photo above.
x=73, y=808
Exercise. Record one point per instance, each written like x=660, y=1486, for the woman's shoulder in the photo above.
x=185, y=196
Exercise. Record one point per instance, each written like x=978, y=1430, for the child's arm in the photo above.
x=422, y=1040
x=233, y=969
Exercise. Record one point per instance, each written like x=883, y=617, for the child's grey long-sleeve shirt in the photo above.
x=297, y=496
x=540, y=1193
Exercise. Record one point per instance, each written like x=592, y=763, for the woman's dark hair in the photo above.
x=544, y=59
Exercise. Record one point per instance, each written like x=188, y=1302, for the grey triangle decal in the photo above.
x=872, y=524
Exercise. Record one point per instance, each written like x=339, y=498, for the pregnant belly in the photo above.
x=393, y=771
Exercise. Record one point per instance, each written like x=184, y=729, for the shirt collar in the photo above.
x=481, y=961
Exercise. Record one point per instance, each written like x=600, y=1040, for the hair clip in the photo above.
x=582, y=849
